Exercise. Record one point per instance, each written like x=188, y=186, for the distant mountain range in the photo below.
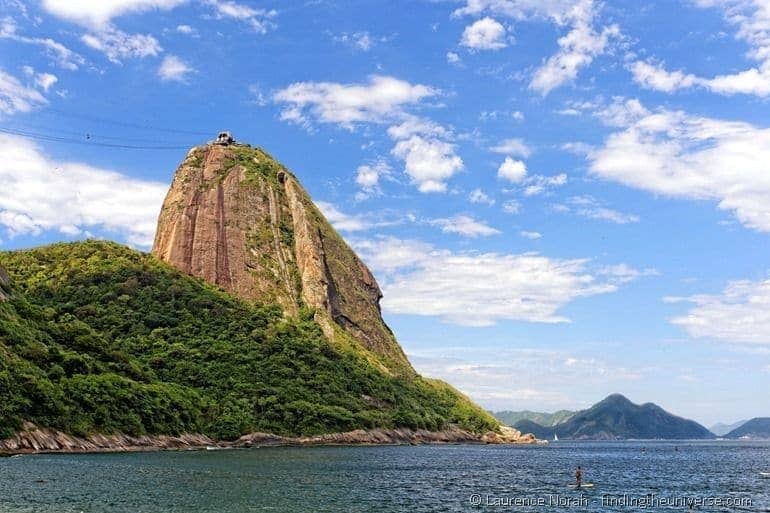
x=721, y=429
x=617, y=418
x=757, y=428
x=509, y=418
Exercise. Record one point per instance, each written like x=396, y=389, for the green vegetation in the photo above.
x=100, y=338
x=510, y=418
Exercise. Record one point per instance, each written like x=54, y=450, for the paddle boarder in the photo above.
x=578, y=477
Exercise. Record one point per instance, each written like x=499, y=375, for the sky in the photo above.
x=561, y=199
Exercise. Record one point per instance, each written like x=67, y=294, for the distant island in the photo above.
x=617, y=418
x=721, y=429
x=510, y=418
x=756, y=429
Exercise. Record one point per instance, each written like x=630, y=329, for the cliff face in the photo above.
x=237, y=218
x=5, y=285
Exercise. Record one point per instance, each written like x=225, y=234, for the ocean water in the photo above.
x=628, y=476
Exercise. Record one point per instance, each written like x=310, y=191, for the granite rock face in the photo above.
x=240, y=220
x=33, y=439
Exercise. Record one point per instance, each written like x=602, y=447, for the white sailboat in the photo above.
x=555, y=438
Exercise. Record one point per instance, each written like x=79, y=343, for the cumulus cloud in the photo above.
x=429, y=162
x=424, y=146
x=752, y=20
x=740, y=314
x=465, y=226
x=99, y=14
x=380, y=100
x=16, y=97
x=453, y=58
x=368, y=178
x=654, y=76
x=479, y=196
x=57, y=52
x=174, y=69
x=512, y=170
x=102, y=35
x=478, y=289
x=577, y=49
x=531, y=235
x=40, y=194
x=693, y=157
x=484, y=34
x=514, y=147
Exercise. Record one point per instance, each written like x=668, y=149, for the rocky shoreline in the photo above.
x=33, y=439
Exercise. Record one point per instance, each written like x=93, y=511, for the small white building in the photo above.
x=224, y=138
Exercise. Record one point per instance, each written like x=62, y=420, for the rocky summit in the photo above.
x=251, y=322
x=237, y=218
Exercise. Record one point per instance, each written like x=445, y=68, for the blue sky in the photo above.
x=561, y=199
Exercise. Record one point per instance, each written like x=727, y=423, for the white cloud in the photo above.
x=57, y=52
x=16, y=97
x=683, y=156
x=624, y=273
x=752, y=19
x=260, y=20
x=429, y=162
x=99, y=14
x=429, y=158
x=740, y=314
x=116, y=44
x=511, y=206
x=350, y=223
x=341, y=221
x=484, y=34
x=368, y=177
x=186, y=29
x=653, y=76
x=413, y=125
x=514, y=147
x=174, y=69
x=361, y=41
x=512, y=170
x=577, y=48
x=479, y=196
x=539, y=184
x=477, y=289
x=465, y=226
x=380, y=100
x=589, y=207
x=453, y=58
x=40, y=194
x=45, y=80
x=531, y=235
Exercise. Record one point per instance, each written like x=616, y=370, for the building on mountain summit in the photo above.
x=224, y=138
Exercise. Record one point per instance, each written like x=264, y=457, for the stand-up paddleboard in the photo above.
x=584, y=485
x=764, y=474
